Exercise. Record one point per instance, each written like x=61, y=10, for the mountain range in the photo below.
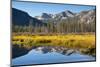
x=62, y=15
x=20, y=17
x=84, y=16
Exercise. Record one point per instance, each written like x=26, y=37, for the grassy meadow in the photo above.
x=85, y=43
x=69, y=40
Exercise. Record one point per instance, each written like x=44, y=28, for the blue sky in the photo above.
x=36, y=9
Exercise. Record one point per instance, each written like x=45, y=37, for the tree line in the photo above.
x=63, y=26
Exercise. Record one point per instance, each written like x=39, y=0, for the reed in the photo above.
x=70, y=40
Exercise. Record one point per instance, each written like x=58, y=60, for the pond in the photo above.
x=43, y=55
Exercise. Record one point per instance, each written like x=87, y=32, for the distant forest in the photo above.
x=62, y=27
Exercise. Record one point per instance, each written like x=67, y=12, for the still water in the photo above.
x=37, y=56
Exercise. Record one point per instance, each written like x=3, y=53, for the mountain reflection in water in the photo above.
x=43, y=55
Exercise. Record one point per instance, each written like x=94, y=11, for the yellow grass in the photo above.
x=70, y=40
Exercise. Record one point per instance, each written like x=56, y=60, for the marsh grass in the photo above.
x=71, y=41
x=84, y=43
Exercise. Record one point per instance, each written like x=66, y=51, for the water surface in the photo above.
x=39, y=57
